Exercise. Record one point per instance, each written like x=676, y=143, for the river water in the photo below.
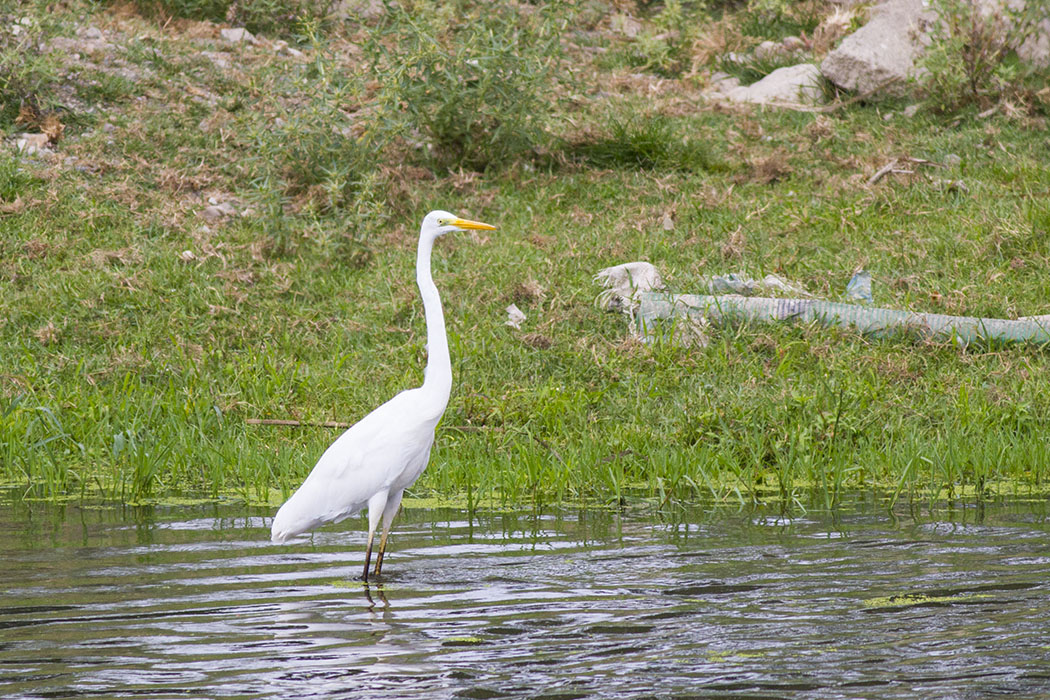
x=194, y=602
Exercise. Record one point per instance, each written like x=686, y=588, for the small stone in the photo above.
x=93, y=33
x=668, y=223
x=793, y=43
x=626, y=25
x=108, y=128
x=911, y=110
x=187, y=256
x=238, y=35
x=212, y=214
x=767, y=50
x=952, y=160
x=31, y=143
x=212, y=200
x=887, y=116
x=217, y=59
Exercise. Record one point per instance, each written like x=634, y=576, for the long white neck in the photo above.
x=437, y=379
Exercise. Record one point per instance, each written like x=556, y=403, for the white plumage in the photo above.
x=372, y=463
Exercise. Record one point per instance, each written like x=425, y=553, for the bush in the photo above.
x=475, y=85
x=972, y=55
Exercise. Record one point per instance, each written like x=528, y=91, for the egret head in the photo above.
x=438, y=223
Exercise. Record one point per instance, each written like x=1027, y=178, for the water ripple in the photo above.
x=187, y=604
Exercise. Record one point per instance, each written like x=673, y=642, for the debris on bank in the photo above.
x=636, y=290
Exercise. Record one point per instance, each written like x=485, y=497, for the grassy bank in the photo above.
x=139, y=340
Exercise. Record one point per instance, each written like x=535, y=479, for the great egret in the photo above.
x=374, y=461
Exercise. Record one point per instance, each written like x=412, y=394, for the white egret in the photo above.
x=376, y=459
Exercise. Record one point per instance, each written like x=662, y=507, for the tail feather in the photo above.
x=302, y=513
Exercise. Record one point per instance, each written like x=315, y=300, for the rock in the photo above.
x=667, y=223
x=911, y=110
x=238, y=35
x=367, y=10
x=768, y=50
x=1036, y=50
x=952, y=160
x=32, y=143
x=217, y=212
x=219, y=60
x=626, y=25
x=790, y=85
x=880, y=56
x=793, y=44
x=723, y=82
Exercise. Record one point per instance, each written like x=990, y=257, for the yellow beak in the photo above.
x=476, y=225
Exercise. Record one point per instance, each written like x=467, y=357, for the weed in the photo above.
x=650, y=142
x=27, y=74
x=972, y=57
x=475, y=85
x=278, y=16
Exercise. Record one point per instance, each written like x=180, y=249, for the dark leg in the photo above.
x=368, y=555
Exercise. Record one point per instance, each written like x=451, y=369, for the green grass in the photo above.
x=130, y=369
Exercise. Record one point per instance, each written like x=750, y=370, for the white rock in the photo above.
x=911, y=110
x=789, y=85
x=238, y=35
x=31, y=143
x=880, y=56
x=668, y=223
x=359, y=9
x=768, y=50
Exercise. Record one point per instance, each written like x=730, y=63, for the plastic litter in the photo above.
x=652, y=311
x=515, y=316
x=859, y=287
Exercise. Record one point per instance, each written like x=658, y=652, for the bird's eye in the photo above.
x=444, y=222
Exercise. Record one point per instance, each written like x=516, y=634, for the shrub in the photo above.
x=474, y=84
x=972, y=55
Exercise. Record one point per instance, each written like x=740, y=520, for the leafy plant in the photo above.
x=665, y=47
x=972, y=56
x=468, y=88
x=649, y=142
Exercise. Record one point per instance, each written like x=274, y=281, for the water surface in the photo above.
x=195, y=602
